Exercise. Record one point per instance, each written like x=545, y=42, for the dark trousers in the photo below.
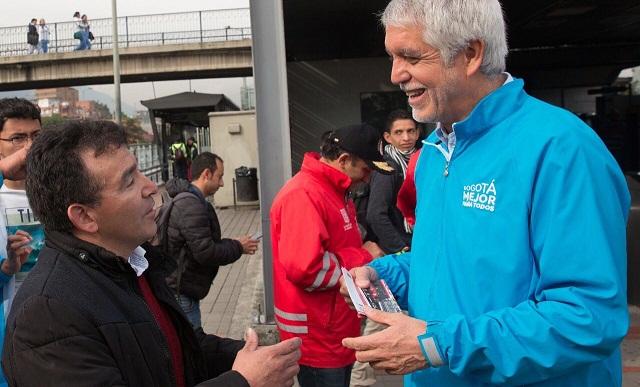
x=324, y=377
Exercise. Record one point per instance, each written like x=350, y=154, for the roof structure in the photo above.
x=189, y=107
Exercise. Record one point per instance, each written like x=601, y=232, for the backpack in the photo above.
x=178, y=153
x=161, y=239
x=163, y=213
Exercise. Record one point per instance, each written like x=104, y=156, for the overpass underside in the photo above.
x=138, y=64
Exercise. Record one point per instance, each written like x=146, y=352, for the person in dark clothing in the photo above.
x=33, y=37
x=95, y=310
x=194, y=237
x=178, y=154
x=384, y=218
x=192, y=153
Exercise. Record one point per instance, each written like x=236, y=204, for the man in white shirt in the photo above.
x=21, y=123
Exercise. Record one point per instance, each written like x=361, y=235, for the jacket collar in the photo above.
x=492, y=109
x=328, y=174
x=95, y=256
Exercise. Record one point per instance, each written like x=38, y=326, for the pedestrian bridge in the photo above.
x=137, y=64
x=200, y=44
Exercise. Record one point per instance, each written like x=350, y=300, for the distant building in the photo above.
x=143, y=118
x=61, y=101
x=247, y=98
x=87, y=110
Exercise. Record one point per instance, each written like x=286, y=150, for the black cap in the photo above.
x=364, y=141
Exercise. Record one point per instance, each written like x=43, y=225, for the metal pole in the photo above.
x=272, y=115
x=116, y=61
x=200, y=13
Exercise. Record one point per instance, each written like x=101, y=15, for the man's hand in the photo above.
x=274, y=365
x=18, y=251
x=394, y=349
x=373, y=249
x=13, y=166
x=249, y=246
x=362, y=276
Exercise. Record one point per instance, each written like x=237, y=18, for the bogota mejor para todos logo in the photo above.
x=481, y=196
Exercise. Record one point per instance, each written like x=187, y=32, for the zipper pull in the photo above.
x=446, y=170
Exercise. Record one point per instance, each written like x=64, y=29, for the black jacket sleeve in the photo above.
x=51, y=344
x=219, y=352
x=379, y=213
x=194, y=226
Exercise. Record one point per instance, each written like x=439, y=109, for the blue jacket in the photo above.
x=518, y=260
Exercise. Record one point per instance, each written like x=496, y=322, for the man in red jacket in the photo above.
x=314, y=233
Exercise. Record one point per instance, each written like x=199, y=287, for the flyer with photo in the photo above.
x=377, y=296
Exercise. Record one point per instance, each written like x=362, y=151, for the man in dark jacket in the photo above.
x=95, y=310
x=194, y=238
x=384, y=218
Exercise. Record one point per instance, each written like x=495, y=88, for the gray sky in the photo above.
x=19, y=13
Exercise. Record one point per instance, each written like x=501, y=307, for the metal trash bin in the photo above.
x=246, y=184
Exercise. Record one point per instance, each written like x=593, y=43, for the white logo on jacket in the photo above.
x=481, y=196
x=347, y=222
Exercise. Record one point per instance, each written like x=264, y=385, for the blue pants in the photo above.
x=324, y=377
x=44, y=46
x=191, y=308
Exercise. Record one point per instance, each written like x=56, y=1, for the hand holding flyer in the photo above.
x=377, y=296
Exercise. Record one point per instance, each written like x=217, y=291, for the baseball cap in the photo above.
x=364, y=141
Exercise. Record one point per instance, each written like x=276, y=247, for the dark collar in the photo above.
x=96, y=256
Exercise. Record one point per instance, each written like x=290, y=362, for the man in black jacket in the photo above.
x=95, y=310
x=194, y=237
x=384, y=218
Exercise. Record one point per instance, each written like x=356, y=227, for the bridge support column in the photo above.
x=272, y=113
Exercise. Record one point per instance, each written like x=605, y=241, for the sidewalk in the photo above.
x=236, y=294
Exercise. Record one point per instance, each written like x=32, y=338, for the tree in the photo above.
x=102, y=111
x=55, y=119
x=135, y=133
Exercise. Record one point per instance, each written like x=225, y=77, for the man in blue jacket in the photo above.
x=517, y=269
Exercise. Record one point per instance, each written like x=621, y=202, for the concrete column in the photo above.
x=272, y=115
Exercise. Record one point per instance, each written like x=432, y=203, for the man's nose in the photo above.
x=399, y=74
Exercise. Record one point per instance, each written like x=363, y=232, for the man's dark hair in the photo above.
x=399, y=114
x=34, y=20
x=205, y=160
x=56, y=174
x=18, y=108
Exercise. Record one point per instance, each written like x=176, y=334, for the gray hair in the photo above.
x=449, y=26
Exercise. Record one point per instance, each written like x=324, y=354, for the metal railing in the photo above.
x=141, y=30
x=149, y=160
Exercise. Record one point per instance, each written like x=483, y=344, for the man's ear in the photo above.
x=83, y=218
x=343, y=159
x=473, y=55
x=387, y=136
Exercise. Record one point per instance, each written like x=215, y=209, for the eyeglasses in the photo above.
x=21, y=139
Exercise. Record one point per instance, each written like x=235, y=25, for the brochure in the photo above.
x=377, y=296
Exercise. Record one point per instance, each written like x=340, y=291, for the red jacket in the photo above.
x=406, y=201
x=314, y=232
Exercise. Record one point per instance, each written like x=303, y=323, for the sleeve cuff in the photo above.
x=430, y=349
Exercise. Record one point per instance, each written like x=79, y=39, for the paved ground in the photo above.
x=234, y=299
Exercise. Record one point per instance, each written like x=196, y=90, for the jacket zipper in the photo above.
x=447, y=155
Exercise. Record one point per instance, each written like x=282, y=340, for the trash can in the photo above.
x=246, y=184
